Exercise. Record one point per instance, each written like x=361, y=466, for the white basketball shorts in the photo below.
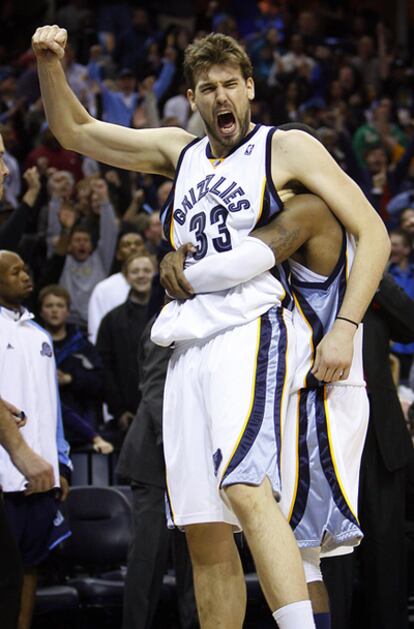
x=225, y=403
x=321, y=457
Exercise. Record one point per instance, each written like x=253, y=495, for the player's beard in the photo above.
x=228, y=143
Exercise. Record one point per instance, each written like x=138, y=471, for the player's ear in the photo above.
x=250, y=88
x=191, y=100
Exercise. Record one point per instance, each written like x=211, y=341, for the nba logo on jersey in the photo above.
x=249, y=149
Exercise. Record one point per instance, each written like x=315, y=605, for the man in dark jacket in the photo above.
x=118, y=341
x=142, y=462
x=388, y=448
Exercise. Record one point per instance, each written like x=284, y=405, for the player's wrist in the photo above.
x=345, y=326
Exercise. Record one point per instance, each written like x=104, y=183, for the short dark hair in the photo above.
x=133, y=257
x=214, y=49
x=405, y=210
x=403, y=234
x=57, y=291
x=82, y=229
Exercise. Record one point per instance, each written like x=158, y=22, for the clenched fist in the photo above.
x=49, y=41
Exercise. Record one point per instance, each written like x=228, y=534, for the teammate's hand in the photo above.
x=38, y=472
x=172, y=273
x=49, y=42
x=125, y=420
x=334, y=353
x=64, y=489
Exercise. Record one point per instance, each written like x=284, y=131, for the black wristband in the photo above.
x=349, y=321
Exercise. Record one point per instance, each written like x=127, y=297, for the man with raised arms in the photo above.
x=239, y=399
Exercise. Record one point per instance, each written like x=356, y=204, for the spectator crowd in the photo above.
x=91, y=234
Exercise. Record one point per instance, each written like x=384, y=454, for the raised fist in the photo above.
x=49, y=41
x=31, y=176
x=99, y=194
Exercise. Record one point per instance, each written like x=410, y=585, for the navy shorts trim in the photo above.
x=37, y=524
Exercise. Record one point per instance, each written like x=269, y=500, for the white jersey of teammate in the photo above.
x=326, y=426
x=318, y=300
x=215, y=204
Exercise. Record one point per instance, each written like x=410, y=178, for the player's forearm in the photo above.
x=371, y=257
x=64, y=112
x=231, y=268
x=10, y=437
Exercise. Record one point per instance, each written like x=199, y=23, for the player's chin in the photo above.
x=231, y=139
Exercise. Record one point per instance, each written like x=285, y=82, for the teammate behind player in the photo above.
x=326, y=425
x=221, y=88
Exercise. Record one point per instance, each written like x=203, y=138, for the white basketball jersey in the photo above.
x=317, y=303
x=215, y=204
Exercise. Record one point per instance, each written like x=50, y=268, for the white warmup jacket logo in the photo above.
x=28, y=380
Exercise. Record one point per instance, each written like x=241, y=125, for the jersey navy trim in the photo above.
x=246, y=138
x=166, y=213
x=338, y=267
x=317, y=333
x=272, y=188
x=281, y=272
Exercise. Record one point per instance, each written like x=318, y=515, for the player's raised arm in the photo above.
x=298, y=156
x=146, y=150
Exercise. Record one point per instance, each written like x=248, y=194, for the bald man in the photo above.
x=38, y=475
x=34, y=519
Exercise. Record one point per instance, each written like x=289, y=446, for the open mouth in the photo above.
x=226, y=122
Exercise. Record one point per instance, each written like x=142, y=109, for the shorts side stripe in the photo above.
x=327, y=455
x=295, y=490
x=256, y=411
x=281, y=379
x=168, y=501
x=303, y=478
x=58, y=541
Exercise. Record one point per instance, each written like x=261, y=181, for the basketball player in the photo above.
x=226, y=173
x=324, y=433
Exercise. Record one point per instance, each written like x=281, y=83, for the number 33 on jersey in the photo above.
x=216, y=203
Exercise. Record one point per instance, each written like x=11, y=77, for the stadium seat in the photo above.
x=100, y=519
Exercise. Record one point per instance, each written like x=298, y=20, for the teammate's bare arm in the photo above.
x=145, y=150
x=298, y=156
x=304, y=218
x=306, y=231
